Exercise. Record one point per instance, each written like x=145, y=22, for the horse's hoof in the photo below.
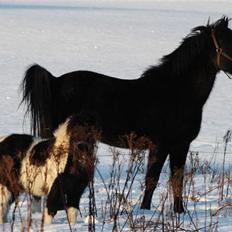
x=145, y=206
x=179, y=209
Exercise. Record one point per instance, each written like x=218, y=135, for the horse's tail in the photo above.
x=37, y=95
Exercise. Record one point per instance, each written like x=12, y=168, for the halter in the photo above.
x=219, y=52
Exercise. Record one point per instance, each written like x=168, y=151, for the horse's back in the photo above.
x=89, y=74
x=92, y=80
x=90, y=91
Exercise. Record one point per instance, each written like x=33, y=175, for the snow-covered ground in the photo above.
x=117, y=38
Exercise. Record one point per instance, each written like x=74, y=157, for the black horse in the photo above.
x=165, y=103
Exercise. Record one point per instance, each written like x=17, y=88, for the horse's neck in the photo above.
x=193, y=85
x=201, y=84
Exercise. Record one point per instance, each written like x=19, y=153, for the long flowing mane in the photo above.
x=196, y=45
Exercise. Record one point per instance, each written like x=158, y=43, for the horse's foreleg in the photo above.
x=156, y=161
x=177, y=163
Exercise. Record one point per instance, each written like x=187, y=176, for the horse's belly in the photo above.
x=185, y=132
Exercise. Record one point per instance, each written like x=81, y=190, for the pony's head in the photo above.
x=83, y=127
x=79, y=130
x=220, y=43
x=84, y=132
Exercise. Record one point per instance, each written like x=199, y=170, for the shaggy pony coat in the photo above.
x=60, y=167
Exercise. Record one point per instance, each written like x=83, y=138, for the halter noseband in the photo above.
x=219, y=51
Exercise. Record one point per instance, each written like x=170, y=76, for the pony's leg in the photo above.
x=47, y=217
x=36, y=204
x=72, y=215
x=156, y=161
x=177, y=163
x=5, y=197
x=73, y=200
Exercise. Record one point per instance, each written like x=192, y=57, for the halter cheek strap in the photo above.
x=219, y=51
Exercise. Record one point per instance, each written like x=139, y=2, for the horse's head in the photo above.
x=219, y=37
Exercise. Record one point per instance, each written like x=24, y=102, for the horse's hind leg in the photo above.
x=5, y=197
x=177, y=163
x=156, y=161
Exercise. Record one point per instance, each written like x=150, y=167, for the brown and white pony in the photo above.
x=59, y=167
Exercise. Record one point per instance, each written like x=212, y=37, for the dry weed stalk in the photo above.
x=120, y=201
x=119, y=205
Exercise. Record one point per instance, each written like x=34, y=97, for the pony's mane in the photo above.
x=194, y=47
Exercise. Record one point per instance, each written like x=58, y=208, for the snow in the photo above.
x=117, y=38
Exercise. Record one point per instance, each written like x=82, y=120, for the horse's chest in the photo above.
x=174, y=123
x=186, y=125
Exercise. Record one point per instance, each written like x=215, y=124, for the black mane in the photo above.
x=196, y=44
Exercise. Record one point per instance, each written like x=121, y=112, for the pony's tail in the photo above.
x=37, y=96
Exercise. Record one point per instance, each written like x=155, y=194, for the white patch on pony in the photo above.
x=72, y=215
x=38, y=180
x=47, y=217
x=5, y=197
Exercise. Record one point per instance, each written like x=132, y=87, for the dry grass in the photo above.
x=123, y=194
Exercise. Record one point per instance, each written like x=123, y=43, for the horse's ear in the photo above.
x=208, y=22
x=222, y=23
